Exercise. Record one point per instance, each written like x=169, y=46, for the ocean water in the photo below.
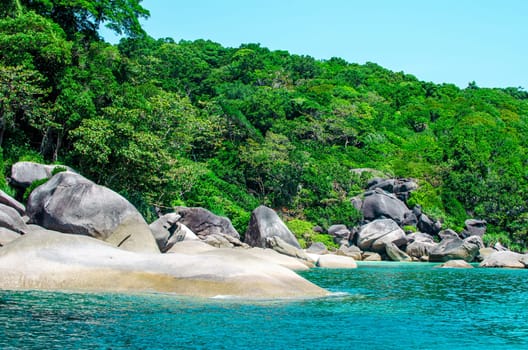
x=377, y=306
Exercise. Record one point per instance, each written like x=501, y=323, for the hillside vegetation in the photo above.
x=194, y=123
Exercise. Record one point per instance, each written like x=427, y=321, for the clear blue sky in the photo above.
x=452, y=41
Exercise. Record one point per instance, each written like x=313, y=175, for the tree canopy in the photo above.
x=192, y=122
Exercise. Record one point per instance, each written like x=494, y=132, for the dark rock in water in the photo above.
x=425, y=224
x=379, y=204
x=11, y=220
x=395, y=254
x=23, y=174
x=454, y=249
x=340, y=233
x=375, y=235
x=317, y=248
x=70, y=203
x=447, y=233
x=266, y=223
x=506, y=259
x=204, y=223
x=473, y=227
x=13, y=203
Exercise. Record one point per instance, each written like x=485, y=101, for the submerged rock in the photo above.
x=55, y=261
x=70, y=203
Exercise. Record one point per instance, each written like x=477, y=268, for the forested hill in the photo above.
x=192, y=122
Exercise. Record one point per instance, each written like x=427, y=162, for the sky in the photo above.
x=443, y=41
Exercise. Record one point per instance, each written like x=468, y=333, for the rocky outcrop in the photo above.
x=506, y=259
x=13, y=203
x=164, y=228
x=265, y=223
x=219, y=240
x=73, y=204
x=331, y=261
x=340, y=233
x=279, y=245
x=396, y=254
x=379, y=204
x=474, y=227
x=375, y=235
x=55, y=261
x=23, y=174
x=454, y=249
x=317, y=248
x=425, y=224
x=350, y=251
x=7, y=236
x=11, y=220
x=447, y=233
x=457, y=264
x=203, y=223
x=371, y=256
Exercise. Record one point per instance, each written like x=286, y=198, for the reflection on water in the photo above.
x=376, y=306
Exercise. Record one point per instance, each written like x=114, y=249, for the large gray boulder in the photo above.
x=163, y=229
x=11, y=220
x=7, y=236
x=70, y=203
x=420, y=249
x=454, y=249
x=425, y=224
x=317, y=248
x=379, y=204
x=395, y=253
x=474, y=227
x=340, y=233
x=13, y=203
x=203, y=223
x=265, y=223
x=54, y=261
x=375, y=235
x=506, y=259
x=23, y=174
x=350, y=251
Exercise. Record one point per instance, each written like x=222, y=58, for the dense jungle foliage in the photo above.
x=192, y=122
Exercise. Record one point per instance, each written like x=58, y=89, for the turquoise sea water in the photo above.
x=377, y=306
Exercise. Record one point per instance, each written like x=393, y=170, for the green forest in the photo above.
x=194, y=123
